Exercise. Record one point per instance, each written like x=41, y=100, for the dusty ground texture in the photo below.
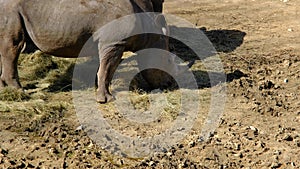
x=258, y=42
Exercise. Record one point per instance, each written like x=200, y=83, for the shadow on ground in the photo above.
x=206, y=42
x=203, y=78
x=225, y=40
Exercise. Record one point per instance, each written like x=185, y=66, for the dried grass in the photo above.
x=13, y=94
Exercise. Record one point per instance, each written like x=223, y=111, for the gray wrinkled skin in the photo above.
x=62, y=27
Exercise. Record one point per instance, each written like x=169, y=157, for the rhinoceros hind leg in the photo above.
x=11, y=43
x=9, y=62
x=110, y=57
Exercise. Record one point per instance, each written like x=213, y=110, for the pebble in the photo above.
x=237, y=146
x=287, y=63
x=151, y=163
x=79, y=128
x=288, y=138
x=253, y=128
x=30, y=165
x=120, y=162
x=276, y=86
x=286, y=80
x=275, y=165
x=240, y=155
x=50, y=150
x=169, y=154
x=90, y=145
x=192, y=144
x=277, y=152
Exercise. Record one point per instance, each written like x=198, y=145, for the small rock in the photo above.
x=90, y=145
x=53, y=150
x=261, y=144
x=240, y=155
x=287, y=63
x=237, y=146
x=151, y=163
x=180, y=146
x=288, y=138
x=79, y=128
x=253, y=129
x=30, y=157
x=279, y=103
x=192, y=144
x=169, y=154
x=293, y=164
x=181, y=129
x=65, y=147
x=201, y=139
x=50, y=150
x=21, y=165
x=222, y=166
x=277, y=152
x=183, y=164
x=275, y=165
x=30, y=165
x=120, y=162
x=276, y=86
x=286, y=80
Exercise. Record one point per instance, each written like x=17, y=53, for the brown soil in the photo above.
x=260, y=128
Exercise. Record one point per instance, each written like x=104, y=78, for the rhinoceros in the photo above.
x=62, y=27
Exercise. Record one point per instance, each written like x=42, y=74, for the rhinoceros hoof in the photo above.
x=10, y=82
x=104, y=98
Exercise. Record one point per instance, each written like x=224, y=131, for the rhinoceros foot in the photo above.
x=10, y=82
x=104, y=97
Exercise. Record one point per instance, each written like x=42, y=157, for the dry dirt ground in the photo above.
x=258, y=43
